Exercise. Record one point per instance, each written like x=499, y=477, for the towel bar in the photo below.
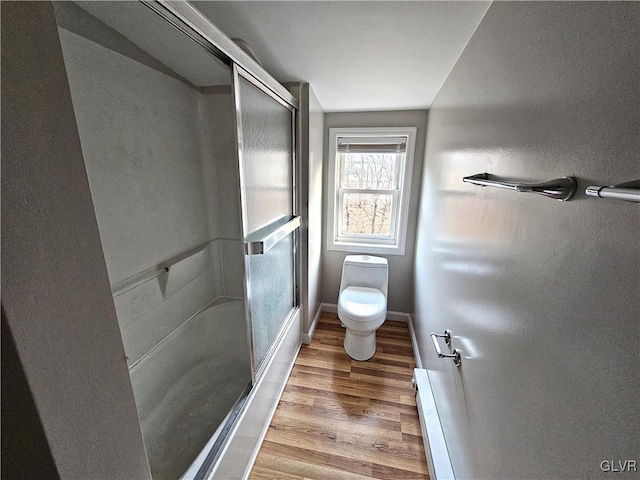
x=561, y=189
x=628, y=191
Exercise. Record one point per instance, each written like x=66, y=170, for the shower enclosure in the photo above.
x=190, y=162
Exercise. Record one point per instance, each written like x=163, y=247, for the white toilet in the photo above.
x=362, y=304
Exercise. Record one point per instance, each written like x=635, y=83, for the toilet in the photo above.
x=362, y=303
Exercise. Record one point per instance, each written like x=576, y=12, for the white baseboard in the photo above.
x=414, y=342
x=397, y=316
x=307, y=337
x=391, y=315
x=329, y=307
x=435, y=446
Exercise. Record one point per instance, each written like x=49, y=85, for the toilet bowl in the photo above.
x=362, y=303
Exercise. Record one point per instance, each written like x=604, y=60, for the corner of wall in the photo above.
x=57, y=300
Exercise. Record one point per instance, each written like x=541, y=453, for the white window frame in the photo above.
x=361, y=243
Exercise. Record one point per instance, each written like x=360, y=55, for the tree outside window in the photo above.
x=368, y=213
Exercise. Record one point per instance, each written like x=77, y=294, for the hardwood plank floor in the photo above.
x=342, y=419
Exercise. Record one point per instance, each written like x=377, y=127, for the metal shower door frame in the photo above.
x=290, y=104
x=192, y=23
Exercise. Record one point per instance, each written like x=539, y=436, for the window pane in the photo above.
x=367, y=213
x=370, y=170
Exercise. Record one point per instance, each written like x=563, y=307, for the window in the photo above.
x=369, y=179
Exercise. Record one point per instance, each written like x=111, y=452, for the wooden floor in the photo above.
x=342, y=419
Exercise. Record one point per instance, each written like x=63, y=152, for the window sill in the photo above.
x=377, y=248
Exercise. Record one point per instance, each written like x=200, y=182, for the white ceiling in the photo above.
x=357, y=55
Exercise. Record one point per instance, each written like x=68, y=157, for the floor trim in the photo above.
x=435, y=445
x=307, y=337
x=391, y=314
x=329, y=307
x=414, y=342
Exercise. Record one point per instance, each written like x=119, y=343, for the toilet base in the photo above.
x=360, y=346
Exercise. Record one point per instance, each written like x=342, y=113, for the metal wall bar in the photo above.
x=629, y=191
x=261, y=247
x=561, y=189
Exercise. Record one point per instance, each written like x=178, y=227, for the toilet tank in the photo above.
x=365, y=271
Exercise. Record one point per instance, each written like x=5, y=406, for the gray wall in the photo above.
x=310, y=156
x=314, y=206
x=56, y=293
x=541, y=296
x=25, y=452
x=400, y=266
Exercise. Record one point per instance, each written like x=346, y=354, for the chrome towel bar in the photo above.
x=561, y=189
x=628, y=191
x=456, y=355
x=261, y=247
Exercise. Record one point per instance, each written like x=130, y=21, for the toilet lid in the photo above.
x=361, y=303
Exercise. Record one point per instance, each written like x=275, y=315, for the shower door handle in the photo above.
x=457, y=358
x=261, y=247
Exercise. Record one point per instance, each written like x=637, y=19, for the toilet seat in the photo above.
x=362, y=304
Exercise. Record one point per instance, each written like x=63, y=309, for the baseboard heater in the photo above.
x=435, y=446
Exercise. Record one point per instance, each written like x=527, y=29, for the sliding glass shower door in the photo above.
x=269, y=221
x=191, y=168
x=156, y=121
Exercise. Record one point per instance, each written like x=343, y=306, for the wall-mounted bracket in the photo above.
x=562, y=189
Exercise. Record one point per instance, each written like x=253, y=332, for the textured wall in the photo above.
x=309, y=162
x=541, y=296
x=400, y=266
x=314, y=192
x=55, y=289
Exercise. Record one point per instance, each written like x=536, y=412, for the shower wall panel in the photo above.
x=219, y=137
x=139, y=130
x=139, y=133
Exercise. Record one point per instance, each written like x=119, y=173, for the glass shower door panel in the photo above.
x=266, y=165
x=272, y=294
x=267, y=159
